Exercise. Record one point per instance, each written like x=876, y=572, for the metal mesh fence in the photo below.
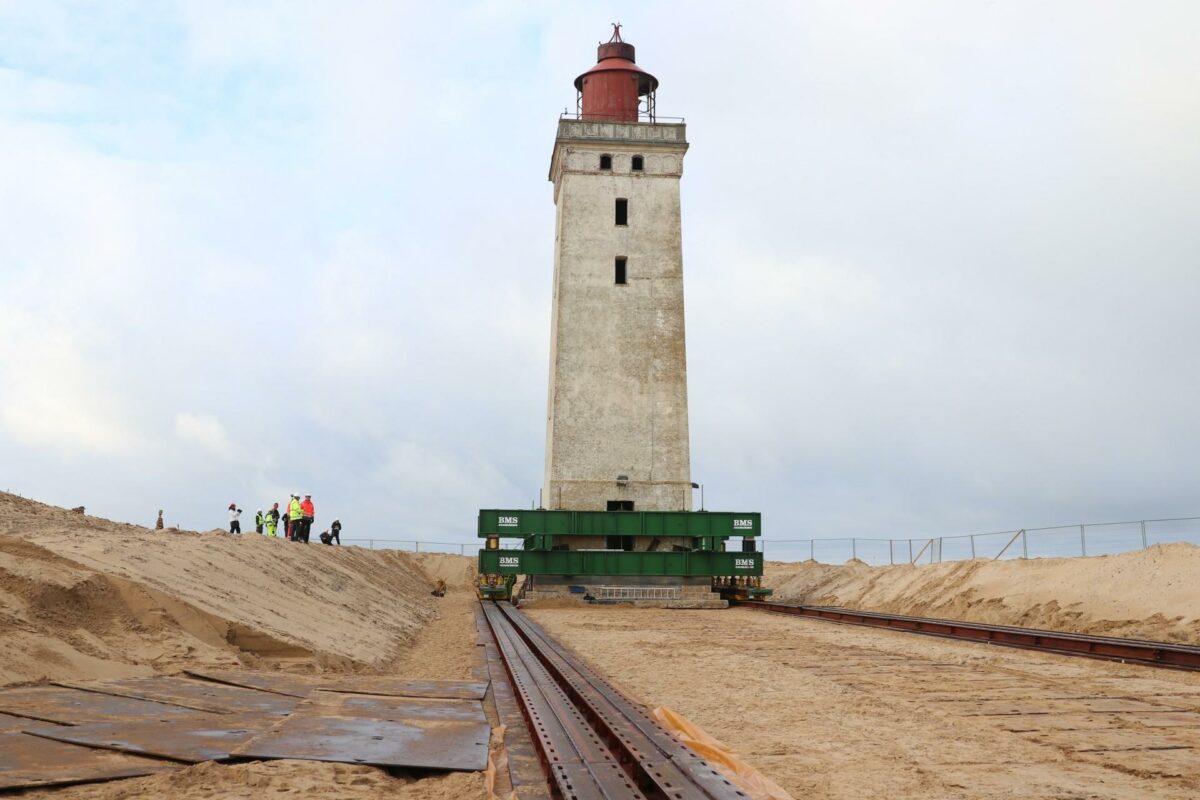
x=1093, y=539
x=454, y=548
x=1063, y=541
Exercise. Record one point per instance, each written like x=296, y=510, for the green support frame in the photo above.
x=517, y=523
x=697, y=563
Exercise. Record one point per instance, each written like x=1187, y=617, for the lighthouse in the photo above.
x=617, y=409
x=616, y=523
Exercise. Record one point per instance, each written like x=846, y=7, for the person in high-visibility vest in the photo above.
x=273, y=520
x=258, y=522
x=295, y=515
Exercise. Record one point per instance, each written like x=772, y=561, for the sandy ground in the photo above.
x=90, y=598
x=833, y=711
x=82, y=597
x=828, y=711
x=1148, y=594
x=443, y=649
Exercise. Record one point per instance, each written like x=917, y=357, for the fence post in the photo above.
x=910, y=551
x=891, y=551
x=972, y=546
x=417, y=546
x=462, y=549
x=854, y=548
x=1082, y=540
x=371, y=543
x=1024, y=544
x=921, y=552
x=812, y=549
x=1143, y=534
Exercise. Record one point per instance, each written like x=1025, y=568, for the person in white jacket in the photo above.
x=235, y=526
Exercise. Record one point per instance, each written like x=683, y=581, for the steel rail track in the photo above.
x=1133, y=651
x=594, y=742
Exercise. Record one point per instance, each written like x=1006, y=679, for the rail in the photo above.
x=594, y=742
x=1135, y=651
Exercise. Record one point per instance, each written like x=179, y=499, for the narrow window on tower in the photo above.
x=620, y=270
x=605, y=162
x=637, y=163
x=622, y=211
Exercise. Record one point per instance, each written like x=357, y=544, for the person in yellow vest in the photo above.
x=295, y=515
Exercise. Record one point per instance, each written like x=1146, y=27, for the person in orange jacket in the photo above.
x=309, y=515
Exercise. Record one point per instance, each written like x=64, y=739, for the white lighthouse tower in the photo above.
x=617, y=418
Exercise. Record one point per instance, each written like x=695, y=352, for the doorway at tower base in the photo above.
x=643, y=591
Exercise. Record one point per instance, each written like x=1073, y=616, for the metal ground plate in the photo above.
x=378, y=730
x=27, y=761
x=192, y=739
x=303, y=685
x=67, y=706
x=196, y=694
x=396, y=687
x=277, y=682
x=10, y=723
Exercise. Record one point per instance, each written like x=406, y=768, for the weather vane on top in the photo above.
x=616, y=37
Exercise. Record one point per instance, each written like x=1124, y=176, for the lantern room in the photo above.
x=612, y=91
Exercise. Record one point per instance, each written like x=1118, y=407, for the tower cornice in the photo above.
x=622, y=136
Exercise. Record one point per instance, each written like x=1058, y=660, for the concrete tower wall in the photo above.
x=618, y=370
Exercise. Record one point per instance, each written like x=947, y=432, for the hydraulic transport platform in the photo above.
x=621, y=551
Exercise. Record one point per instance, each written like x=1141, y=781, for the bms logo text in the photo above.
x=738, y=563
x=510, y=561
x=743, y=524
x=508, y=522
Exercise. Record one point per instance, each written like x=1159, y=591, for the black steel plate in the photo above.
x=195, y=694
x=10, y=723
x=66, y=706
x=397, y=687
x=277, y=682
x=193, y=739
x=31, y=761
x=383, y=731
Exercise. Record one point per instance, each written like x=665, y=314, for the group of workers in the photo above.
x=296, y=521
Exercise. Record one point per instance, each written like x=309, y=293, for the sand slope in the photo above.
x=85, y=597
x=1150, y=594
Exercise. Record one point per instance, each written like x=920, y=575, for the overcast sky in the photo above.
x=942, y=259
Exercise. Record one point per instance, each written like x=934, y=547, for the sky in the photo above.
x=942, y=259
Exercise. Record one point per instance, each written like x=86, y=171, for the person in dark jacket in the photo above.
x=335, y=532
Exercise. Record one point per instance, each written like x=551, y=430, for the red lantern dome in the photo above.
x=612, y=90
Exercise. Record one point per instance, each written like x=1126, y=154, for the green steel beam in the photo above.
x=617, y=562
x=527, y=522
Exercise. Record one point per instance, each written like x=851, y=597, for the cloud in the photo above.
x=939, y=263
x=207, y=432
x=52, y=398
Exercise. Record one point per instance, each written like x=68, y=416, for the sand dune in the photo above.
x=82, y=597
x=85, y=597
x=1149, y=594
